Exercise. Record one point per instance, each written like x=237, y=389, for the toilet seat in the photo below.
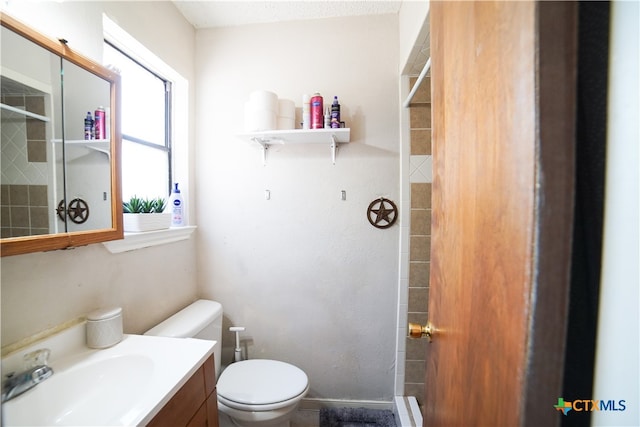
x=261, y=385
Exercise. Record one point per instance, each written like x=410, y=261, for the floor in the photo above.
x=301, y=418
x=306, y=418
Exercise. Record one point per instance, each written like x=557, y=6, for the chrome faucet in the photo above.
x=36, y=371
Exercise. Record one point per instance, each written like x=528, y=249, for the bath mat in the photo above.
x=356, y=417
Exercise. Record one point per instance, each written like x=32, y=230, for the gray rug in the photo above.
x=356, y=417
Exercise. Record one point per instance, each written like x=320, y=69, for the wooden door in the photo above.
x=503, y=99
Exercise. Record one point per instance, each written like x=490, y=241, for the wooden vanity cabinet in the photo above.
x=195, y=404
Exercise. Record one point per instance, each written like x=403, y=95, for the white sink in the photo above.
x=124, y=385
x=94, y=392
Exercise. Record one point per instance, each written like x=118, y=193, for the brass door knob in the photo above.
x=419, y=331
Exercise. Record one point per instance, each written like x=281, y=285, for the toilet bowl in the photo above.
x=253, y=393
x=261, y=392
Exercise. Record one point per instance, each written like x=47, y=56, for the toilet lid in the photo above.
x=261, y=382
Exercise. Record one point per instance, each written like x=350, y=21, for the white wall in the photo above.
x=618, y=349
x=314, y=283
x=312, y=280
x=413, y=30
x=42, y=290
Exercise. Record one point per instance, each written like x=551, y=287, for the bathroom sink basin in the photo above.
x=124, y=385
x=90, y=392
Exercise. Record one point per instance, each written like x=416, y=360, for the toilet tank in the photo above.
x=202, y=319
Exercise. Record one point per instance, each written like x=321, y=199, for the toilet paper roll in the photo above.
x=258, y=119
x=261, y=120
x=264, y=100
x=286, y=123
x=286, y=108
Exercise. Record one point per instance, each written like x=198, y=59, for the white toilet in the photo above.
x=253, y=393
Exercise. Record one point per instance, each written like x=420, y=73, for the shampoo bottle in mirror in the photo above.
x=88, y=126
x=177, y=207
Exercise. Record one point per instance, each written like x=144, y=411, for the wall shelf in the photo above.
x=100, y=145
x=22, y=112
x=333, y=137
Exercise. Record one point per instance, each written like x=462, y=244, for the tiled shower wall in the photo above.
x=23, y=191
x=419, y=235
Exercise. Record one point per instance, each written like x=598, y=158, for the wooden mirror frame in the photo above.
x=48, y=242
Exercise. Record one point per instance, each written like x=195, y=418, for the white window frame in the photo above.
x=179, y=135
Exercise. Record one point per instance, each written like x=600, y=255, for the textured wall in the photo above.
x=314, y=283
x=43, y=290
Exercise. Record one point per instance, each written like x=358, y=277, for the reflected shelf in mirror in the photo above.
x=24, y=112
x=100, y=145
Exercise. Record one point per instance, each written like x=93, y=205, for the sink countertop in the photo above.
x=126, y=384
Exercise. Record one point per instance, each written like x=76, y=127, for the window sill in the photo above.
x=134, y=241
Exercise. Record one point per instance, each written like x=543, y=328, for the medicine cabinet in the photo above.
x=59, y=188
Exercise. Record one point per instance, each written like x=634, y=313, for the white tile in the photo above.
x=402, y=412
x=405, y=421
x=399, y=385
x=401, y=345
x=426, y=169
x=400, y=407
x=405, y=240
x=405, y=214
x=420, y=169
x=403, y=294
x=405, y=191
x=404, y=265
x=415, y=162
x=401, y=367
x=415, y=410
x=403, y=321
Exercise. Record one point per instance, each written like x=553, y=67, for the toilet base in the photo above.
x=275, y=418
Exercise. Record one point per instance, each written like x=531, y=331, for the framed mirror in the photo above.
x=60, y=145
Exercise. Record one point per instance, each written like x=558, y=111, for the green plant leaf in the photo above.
x=159, y=204
x=143, y=205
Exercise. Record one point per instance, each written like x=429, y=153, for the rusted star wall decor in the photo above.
x=382, y=213
x=78, y=211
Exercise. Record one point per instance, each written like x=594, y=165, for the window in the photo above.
x=155, y=120
x=145, y=126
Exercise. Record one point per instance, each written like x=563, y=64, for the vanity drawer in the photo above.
x=195, y=404
x=207, y=415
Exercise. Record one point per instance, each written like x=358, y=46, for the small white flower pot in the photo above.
x=137, y=222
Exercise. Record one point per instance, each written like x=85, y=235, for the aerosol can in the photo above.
x=317, y=111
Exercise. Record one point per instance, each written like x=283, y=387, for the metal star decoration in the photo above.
x=78, y=211
x=382, y=213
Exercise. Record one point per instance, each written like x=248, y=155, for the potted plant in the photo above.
x=142, y=214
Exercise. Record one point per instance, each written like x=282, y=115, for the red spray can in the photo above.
x=316, y=111
x=99, y=124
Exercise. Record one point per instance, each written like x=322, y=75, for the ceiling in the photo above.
x=218, y=13
x=227, y=13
